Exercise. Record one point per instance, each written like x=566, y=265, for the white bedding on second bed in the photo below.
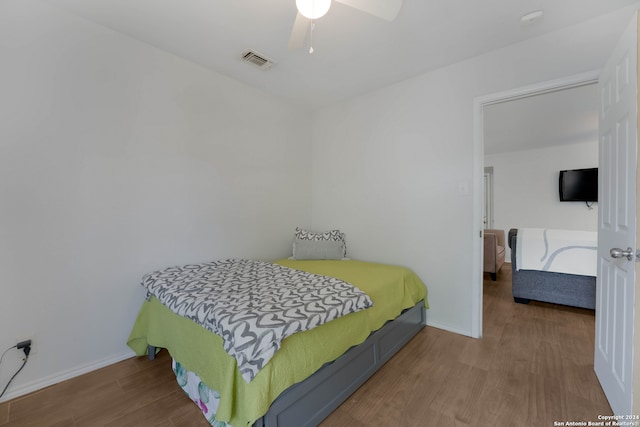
x=560, y=251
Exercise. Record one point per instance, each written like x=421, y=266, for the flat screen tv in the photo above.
x=579, y=185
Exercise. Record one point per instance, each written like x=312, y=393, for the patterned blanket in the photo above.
x=253, y=305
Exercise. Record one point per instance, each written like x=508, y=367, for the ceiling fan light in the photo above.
x=313, y=9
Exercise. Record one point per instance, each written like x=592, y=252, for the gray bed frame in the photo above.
x=309, y=402
x=547, y=286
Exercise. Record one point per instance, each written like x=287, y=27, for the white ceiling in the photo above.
x=354, y=52
x=566, y=116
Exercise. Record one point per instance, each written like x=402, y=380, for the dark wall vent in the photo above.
x=257, y=59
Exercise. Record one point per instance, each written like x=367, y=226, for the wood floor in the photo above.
x=533, y=366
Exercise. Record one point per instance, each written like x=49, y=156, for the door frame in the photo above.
x=583, y=79
x=487, y=213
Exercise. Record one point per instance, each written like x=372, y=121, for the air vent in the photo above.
x=257, y=59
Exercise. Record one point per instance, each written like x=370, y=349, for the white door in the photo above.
x=617, y=223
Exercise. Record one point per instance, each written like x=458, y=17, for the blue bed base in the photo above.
x=557, y=288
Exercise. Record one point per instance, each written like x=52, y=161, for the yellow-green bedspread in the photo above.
x=392, y=289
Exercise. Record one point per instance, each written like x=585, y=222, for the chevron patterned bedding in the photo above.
x=253, y=305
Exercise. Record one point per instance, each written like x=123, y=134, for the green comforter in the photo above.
x=391, y=288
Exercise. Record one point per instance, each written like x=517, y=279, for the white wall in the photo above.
x=117, y=159
x=392, y=167
x=525, y=187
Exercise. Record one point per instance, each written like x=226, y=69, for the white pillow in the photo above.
x=318, y=249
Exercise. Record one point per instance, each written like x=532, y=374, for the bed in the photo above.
x=313, y=372
x=546, y=279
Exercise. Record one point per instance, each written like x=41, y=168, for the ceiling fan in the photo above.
x=310, y=10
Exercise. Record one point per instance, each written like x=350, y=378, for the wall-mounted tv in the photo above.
x=579, y=185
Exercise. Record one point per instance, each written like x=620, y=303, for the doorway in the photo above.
x=479, y=166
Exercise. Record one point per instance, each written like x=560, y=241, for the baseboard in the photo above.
x=448, y=328
x=65, y=375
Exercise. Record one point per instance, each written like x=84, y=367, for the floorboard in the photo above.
x=533, y=366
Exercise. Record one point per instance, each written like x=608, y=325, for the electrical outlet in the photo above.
x=33, y=345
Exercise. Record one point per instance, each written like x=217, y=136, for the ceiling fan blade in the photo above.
x=298, y=32
x=385, y=9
